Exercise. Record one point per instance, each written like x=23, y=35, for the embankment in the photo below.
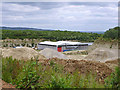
x=103, y=50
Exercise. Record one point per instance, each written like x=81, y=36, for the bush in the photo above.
x=112, y=33
x=28, y=77
x=29, y=74
x=113, y=81
x=10, y=69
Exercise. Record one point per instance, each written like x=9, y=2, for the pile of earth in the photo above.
x=82, y=66
x=104, y=44
x=51, y=53
x=113, y=64
x=24, y=53
x=102, y=54
x=4, y=85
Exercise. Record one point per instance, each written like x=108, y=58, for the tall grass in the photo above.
x=29, y=74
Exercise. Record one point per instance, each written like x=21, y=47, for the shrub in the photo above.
x=28, y=74
x=113, y=81
x=10, y=69
x=112, y=33
x=28, y=77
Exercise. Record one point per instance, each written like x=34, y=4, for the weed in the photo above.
x=113, y=81
x=28, y=74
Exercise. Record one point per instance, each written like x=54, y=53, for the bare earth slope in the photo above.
x=82, y=67
x=51, y=53
x=103, y=51
x=24, y=53
x=5, y=85
x=102, y=54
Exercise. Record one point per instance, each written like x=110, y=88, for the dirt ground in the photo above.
x=4, y=85
x=51, y=53
x=112, y=64
x=102, y=55
x=101, y=70
x=76, y=57
x=74, y=63
x=83, y=66
x=24, y=53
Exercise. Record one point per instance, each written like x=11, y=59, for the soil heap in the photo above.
x=102, y=54
x=51, y=53
x=24, y=53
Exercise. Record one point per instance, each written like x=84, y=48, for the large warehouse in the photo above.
x=62, y=46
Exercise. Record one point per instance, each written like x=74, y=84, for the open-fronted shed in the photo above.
x=62, y=46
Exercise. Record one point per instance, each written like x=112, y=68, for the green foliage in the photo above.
x=52, y=63
x=29, y=74
x=29, y=80
x=50, y=35
x=10, y=69
x=113, y=81
x=112, y=33
x=60, y=35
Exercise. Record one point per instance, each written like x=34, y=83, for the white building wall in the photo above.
x=74, y=47
x=41, y=47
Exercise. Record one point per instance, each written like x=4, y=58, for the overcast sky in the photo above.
x=74, y=16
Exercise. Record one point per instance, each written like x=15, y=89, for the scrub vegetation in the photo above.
x=31, y=74
x=35, y=74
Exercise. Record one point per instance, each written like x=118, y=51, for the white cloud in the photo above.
x=19, y=8
x=9, y=17
x=68, y=16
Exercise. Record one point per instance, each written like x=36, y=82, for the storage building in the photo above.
x=62, y=46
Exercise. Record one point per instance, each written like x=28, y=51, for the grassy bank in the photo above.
x=31, y=74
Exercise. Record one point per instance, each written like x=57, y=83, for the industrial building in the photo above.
x=62, y=46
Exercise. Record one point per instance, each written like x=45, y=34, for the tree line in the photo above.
x=50, y=35
x=59, y=35
x=113, y=33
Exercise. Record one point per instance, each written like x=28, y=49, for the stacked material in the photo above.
x=24, y=53
x=103, y=54
x=51, y=53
